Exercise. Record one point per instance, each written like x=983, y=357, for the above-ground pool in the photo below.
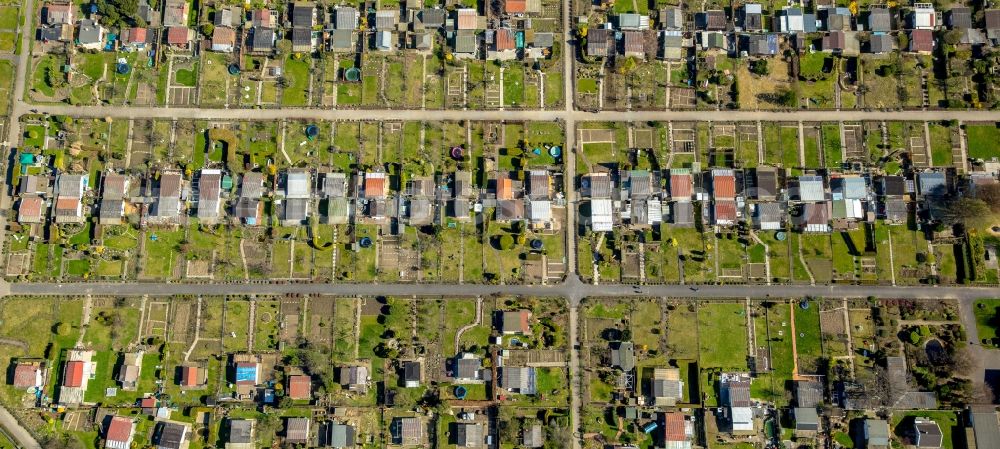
x=352, y=74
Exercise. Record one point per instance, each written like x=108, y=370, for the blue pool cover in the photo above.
x=246, y=373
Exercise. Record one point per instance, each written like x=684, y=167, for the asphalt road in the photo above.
x=566, y=114
x=573, y=290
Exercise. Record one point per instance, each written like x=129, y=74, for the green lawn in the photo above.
x=627, y=6
x=513, y=86
x=6, y=79
x=57, y=261
x=8, y=17
x=732, y=254
x=109, y=268
x=682, y=333
x=6, y=443
x=213, y=78
x=832, y=147
x=808, y=339
x=586, y=86
x=799, y=271
x=722, y=335
x=348, y=93
x=186, y=77
x=811, y=65
x=297, y=76
x=369, y=336
x=551, y=381
x=614, y=311
x=120, y=237
x=370, y=89
x=33, y=320
x=757, y=253
x=788, y=137
x=112, y=327
x=947, y=263
x=816, y=249
x=940, y=145
x=698, y=259
x=645, y=324
x=457, y=313
x=553, y=89
x=982, y=140
x=812, y=149
x=47, y=69
x=772, y=330
x=78, y=267
x=599, y=390
x=902, y=425
x=237, y=325
x=266, y=326
x=846, y=246
x=91, y=64
x=343, y=329
x=906, y=244
x=203, y=242
x=844, y=440
x=40, y=265
x=8, y=41
x=162, y=253
x=103, y=376
x=34, y=136
x=987, y=320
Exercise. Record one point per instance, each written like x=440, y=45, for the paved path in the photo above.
x=197, y=330
x=575, y=388
x=15, y=343
x=84, y=320
x=21, y=72
x=479, y=319
x=21, y=62
x=569, y=160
